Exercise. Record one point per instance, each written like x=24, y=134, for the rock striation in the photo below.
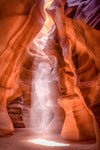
x=19, y=24
x=70, y=37
x=79, y=74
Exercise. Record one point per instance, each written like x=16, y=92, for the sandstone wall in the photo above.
x=79, y=74
x=20, y=22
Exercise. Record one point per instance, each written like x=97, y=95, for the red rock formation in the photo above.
x=76, y=47
x=80, y=48
x=15, y=111
x=19, y=24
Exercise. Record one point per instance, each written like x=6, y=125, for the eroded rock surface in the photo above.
x=79, y=74
x=15, y=111
x=73, y=39
x=19, y=24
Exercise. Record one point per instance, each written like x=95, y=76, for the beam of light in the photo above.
x=47, y=143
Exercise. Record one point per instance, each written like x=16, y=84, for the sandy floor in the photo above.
x=19, y=141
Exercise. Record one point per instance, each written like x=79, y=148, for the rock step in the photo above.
x=15, y=110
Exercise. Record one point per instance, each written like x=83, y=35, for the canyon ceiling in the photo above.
x=64, y=34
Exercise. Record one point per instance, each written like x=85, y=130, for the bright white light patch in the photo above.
x=47, y=143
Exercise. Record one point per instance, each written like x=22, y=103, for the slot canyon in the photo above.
x=49, y=75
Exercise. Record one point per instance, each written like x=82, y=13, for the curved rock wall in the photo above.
x=19, y=24
x=79, y=75
x=75, y=44
x=87, y=10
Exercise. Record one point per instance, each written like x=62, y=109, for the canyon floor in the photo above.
x=21, y=137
